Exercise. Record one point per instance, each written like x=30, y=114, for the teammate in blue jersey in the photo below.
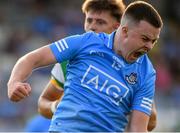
x=108, y=76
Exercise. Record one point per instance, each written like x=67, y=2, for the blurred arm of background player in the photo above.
x=53, y=92
x=98, y=19
x=49, y=99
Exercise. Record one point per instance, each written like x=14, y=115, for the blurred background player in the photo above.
x=100, y=16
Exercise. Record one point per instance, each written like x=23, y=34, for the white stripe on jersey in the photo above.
x=145, y=106
x=65, y=43
x=147, y=103
x=147, y=99
x=61, y=45
x=57, y=45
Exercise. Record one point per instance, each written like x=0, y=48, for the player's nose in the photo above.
x=93, y=27
x=149, y=46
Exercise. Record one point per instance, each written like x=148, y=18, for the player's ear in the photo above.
x=115, y=26
x=125, y=31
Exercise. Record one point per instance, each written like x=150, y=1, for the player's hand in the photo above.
x=18, y=91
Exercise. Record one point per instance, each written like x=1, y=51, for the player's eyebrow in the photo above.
x=149, y=38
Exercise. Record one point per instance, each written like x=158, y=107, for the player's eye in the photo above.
x=145, y=39
x=89, y=20
x=101, y=22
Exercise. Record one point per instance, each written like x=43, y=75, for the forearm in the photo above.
x=44, y=107
x=49, y=99
x=18, y=89
x=22, y=69
x=26, y=64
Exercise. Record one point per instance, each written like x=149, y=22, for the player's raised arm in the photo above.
x=18, y=89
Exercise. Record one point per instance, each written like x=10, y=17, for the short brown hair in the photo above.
x=115, y=7
x=140, y=10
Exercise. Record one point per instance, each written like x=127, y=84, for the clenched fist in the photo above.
x=18, y=91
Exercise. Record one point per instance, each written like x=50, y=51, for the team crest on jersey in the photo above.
x=132, y=78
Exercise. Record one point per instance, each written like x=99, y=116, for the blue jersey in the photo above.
x=38, y=124
x=101, y=87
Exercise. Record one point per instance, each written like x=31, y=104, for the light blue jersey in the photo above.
x=101, y=87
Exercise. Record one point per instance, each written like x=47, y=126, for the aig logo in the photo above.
x=95, y=78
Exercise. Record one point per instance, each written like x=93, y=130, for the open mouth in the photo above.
x=135, y=55
x=139, y=53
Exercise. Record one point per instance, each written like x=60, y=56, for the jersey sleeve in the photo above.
x=69, y=47
x=65, y=50
x=143, y=98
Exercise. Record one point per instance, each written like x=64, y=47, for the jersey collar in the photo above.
x=111, y=40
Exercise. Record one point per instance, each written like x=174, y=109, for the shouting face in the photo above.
x=137, y=39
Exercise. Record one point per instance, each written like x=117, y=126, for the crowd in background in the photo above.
x=28, y=24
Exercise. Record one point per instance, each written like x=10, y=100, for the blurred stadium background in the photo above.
x=28, y=24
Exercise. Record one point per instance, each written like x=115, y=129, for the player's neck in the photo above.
x=116, y=43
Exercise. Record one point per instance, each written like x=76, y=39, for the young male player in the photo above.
x=108, y=76
x=100, y=16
